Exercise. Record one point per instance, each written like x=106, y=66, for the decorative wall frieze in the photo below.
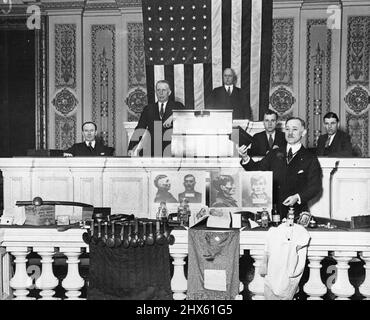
x=65, y=131
x=357, y=99
x=282, y=100
x=358, y=129
x=282, y=52
x=137, y=98
x=358, y=50
x=65, y=102
x=65, y=55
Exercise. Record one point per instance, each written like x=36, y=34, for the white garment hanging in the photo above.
x=284, y=263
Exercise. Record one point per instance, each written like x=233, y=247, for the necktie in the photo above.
x=161, y=113
x=271, y=141
x=290, y=155
x=229, y=91
x=327, y=143
x=90, y=146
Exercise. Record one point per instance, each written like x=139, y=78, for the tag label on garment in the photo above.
x=189, y=195
x=215, y=279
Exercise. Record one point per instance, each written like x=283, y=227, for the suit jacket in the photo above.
x=339, y=147
x=260, y=144
x=148, y=116
x=302, y=175
x=81, y=150
x=197, y=198
x=237, y=101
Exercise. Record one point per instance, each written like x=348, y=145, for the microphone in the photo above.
x=334, y=170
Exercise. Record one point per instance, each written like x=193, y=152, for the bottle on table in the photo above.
x=264, y=218
x=275, y=216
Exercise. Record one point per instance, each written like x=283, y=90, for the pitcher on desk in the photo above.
x=91, y=147
x=296, y=171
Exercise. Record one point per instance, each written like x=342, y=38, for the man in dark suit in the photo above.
x=157, y=120
x=269, y=139
x=190, y=194
x=91, y=147
x=297, y=176
x=335, y=143
x=229, y=97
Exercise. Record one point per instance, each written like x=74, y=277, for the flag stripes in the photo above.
x=189, y=43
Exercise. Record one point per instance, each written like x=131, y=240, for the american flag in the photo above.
x=190, y=43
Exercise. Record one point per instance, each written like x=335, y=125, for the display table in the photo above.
x=123, y=183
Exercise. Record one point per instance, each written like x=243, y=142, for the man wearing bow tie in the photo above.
x=229, y=96
x=297, y=176
x=157, y=119
x=91, y=147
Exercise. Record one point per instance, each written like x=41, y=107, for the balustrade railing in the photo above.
x=16, y=244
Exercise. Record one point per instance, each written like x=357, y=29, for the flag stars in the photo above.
x=150, y=38
x=183, y=48
x=149, y=8
x=194, y=48
x=183, y=38
x=194, y=38
x=171, y=18
x=160, y=39
x=182, y=8
x=161, y=59
x=160, y=18
x=204, y=27
x=159, y=8
x=161, y=49
x=172, y=39
x=150, y=29
x=194, y=17
x=204, y=17
x=160, y=29
x=193, y=7
x=172, y=49
x=171, y=8
x=183, y=58
x=172, y=29
x=182, y=18
x=149, y=18
x=194, y=28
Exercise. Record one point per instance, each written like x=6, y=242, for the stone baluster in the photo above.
x=342, y=288
x=20, y=282
x=365, y=286
x=5, y=274
x=47, y=281
x=314, y=287
x=73, y=282
x=178, y=281
x=257, y=284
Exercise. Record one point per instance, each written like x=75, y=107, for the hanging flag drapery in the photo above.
x=190, y=42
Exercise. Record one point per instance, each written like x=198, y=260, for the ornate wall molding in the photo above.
x=317, y=105
x=357, y=99
x=65, y=131
x=65, y=102
x=282, y=100
x=282, y=52
x=358, y=51
x=103, y=51
x=65, y=55
x=358, y=129
x=128, y=3
x=137, y=98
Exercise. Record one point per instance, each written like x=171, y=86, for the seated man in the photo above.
x=270, y=138
x=335, y=143
x=90, y=147
x=229, y=96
